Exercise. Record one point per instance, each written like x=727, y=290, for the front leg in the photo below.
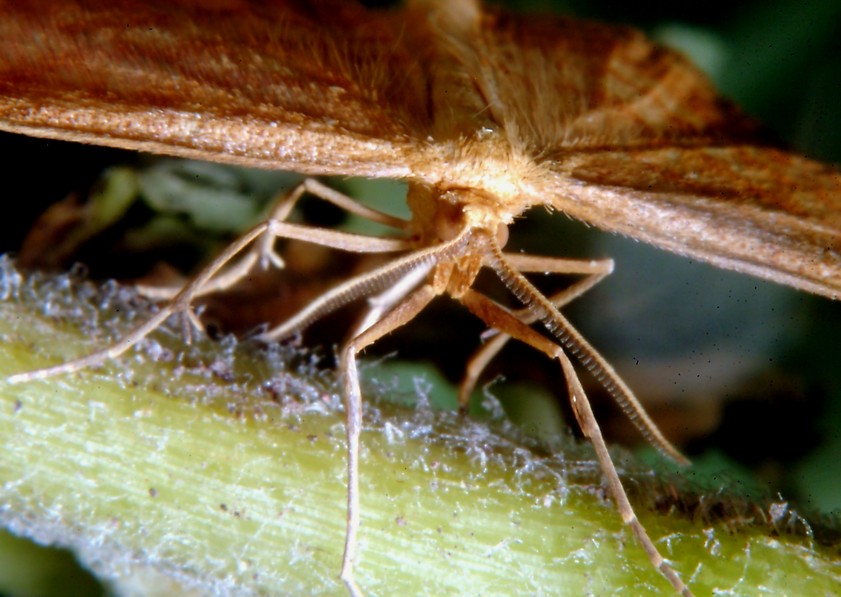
x=371, y=329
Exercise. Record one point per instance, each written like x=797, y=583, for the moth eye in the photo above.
x=449, y=221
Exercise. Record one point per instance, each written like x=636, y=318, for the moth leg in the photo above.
x=181, y=303
x=287, y=201
x=350, y=205
x=367, y=284
x=374, y=326
x=595, y=270
x=572, y=340
x=263, y=250
x=590, y=427
x=496, y=316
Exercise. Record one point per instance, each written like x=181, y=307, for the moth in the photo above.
x=482, y=113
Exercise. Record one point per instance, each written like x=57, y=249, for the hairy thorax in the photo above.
x=484, y=186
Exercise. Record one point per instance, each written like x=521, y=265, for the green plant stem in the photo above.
x=189, y=469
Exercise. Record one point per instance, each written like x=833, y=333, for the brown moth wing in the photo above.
x=561, y=84
x=320, y=87
x=589, y=118
x=752, y=209
x=638, y=142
